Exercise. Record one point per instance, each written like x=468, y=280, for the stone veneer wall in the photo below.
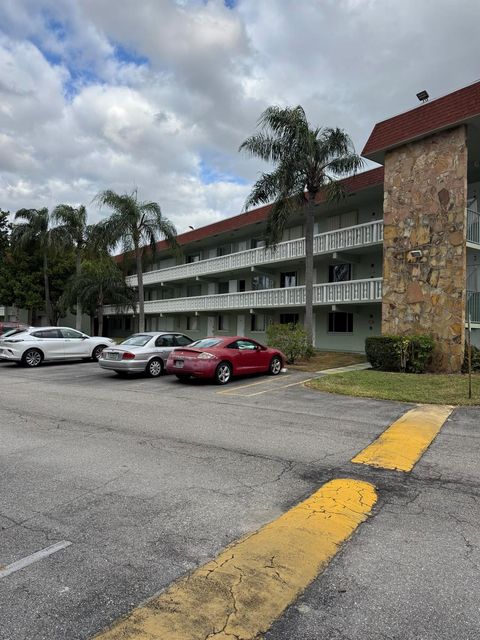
x=425, y=208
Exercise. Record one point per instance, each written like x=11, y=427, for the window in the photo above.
x=342, y=220
x=223, y=287
x=165, y=341
x=71, y=333
x=243, y=345
x=138, y=340
x=207, y=343
x=225, y=250
x=222, y=323
x=193, y=258
x=48, y=333
x=128, y=324
x=192, y=323
x=340, y=322
x=256, y=243
x=241, y=285
x=194, y=290
x=262, y=282
x=181, y=340
x=339, y=272
x=289, y=318
x=257, y=322
x=288, y=279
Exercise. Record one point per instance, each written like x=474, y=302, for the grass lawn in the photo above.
x=327, y=360
x=406, y=387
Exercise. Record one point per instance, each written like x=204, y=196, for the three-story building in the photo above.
x=400, y=253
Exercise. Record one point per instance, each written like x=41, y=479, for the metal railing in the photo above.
x=360, y=235
x=473, y=226
x=351, y=292
x=473, y=306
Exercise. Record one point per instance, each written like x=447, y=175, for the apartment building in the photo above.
x=400, y=253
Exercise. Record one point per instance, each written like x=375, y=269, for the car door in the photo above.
x=250, y=356
x=164, y=344
x=75, y=344
x=51, y=342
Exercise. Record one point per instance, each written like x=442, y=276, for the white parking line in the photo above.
x=34, y=557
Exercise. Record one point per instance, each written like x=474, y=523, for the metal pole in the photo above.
x=469, y=346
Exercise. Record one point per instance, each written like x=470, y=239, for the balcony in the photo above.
x=361, y=235
x=473, y=227
x=351, y=292
x=473, y=307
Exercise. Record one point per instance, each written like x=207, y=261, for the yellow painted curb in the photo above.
x=250, y=584
x=404, y=442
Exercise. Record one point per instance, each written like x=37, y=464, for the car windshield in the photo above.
x=139, y=340
x=206, y=343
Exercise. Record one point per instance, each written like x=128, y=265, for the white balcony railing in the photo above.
x=360, y=235
x=473, y=226
x=351, y=292
x=473, y=306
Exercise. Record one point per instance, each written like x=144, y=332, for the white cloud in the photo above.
x=159, y=95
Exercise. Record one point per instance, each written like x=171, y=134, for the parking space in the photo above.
x=137, y=481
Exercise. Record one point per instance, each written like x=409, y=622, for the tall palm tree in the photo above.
x=72, y=231
x=306, y=161
x=34, y=228
x=136, y=224
x=101, y=282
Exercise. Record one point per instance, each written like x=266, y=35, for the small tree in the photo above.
x=291, y=339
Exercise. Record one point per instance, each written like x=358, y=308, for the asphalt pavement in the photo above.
x=150, y=478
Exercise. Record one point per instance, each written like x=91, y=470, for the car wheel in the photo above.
x=275, y=366
x=32, y=358
x=154, y=368
x=182, y=378
x=97, y=351
x=223, y=373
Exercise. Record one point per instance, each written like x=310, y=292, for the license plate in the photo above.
x=112, y=356
x=179, y=364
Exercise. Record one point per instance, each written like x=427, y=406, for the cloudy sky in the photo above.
x=159, y=94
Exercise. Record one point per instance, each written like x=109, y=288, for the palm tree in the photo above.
x=134, y=224
x=34, y=229
x=306, y=161
x=101, y=282
x=72, y=231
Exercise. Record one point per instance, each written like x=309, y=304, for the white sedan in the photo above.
x=32, y=346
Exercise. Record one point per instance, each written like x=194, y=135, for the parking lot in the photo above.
x=150, y=478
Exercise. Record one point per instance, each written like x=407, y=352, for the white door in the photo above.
x=75, y=344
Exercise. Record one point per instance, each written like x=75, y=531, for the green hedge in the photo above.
x=410, y=354
x=291, y=339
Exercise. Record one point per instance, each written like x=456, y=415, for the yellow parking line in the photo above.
x=249, y=585
x=284, y=386
x=244, y=386
x=404, y=442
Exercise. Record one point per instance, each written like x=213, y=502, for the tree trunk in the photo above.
x=100, y=312
x=141, y=309
x=78, y=319
x=48, y=304
x=309, y=228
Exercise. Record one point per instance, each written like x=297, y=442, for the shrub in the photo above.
x=399, y=353
x=475, y=359
x=291, y=339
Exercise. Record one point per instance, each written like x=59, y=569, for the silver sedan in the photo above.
x=145, y=352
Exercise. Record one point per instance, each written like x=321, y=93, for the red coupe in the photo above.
x=221, y=358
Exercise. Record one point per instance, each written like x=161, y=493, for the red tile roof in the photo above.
x=442, y=113
x=363, y=180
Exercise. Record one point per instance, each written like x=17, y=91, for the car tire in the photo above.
x=32, y=358
x=182, y=378
x=154, y=368
x=223, y=373
x=275, y=366
x=97, y=351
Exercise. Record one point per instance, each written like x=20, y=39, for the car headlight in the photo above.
x=206, y=356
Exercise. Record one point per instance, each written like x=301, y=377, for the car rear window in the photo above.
x=139, y=340
x=206, y=343
x=11, y=332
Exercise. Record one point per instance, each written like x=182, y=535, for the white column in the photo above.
x=241, y=325
x=210, y=325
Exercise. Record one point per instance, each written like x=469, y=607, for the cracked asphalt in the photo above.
x=151, y=478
